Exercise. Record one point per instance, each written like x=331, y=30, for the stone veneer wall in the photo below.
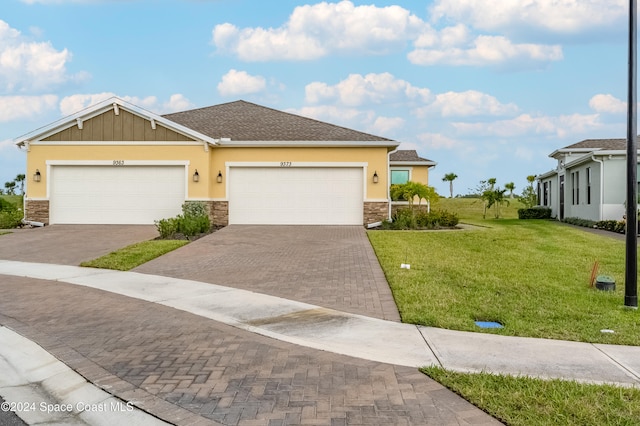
x=37, y=210
x=375, y=212
x=220, y=213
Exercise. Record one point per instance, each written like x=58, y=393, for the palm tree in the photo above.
x=491, y=182
x=450, y=177
x=511, y=187
x=20, y=181
x=10, y=186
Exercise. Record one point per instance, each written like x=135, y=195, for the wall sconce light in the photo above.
x=37, y=176
x=375, y=177
x=219, y=177
x=196, y=176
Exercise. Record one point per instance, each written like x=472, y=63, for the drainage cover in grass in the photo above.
x=489, y=324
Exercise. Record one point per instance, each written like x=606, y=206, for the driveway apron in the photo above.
x=70, y=244
x=330, y=266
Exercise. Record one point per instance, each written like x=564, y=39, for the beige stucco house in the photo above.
x=116, y=163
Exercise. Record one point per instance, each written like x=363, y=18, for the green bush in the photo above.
x=194, y=208
x=577, y=221
x=420, y=219
x=436, y=219
x=6, y=205
x=535, y=213
x=611, y=225
x=192, y=222
x=167, y=228
x=10, y=215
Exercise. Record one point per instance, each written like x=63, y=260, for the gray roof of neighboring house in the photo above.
x=408, y=155
x=246, y=121
x=608, y=144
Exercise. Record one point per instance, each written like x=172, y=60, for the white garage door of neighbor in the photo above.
x=295, y=196
x=115, y=195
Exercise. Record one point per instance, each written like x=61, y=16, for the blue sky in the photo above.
x=486, y=88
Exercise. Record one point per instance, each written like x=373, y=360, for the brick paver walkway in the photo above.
x=330, y=266
x=191, y=370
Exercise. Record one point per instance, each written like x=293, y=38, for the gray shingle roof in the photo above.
x=407, y=155
x=246, y=121
x=608, y=144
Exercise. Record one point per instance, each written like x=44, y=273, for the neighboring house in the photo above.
x=589, y=181
x=116, y=163
x=406, y=165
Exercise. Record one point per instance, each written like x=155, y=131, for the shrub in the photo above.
x=407, y=219
x=10, y=215
x=535, y=213
x=579, y=222
x=192, y=222
x=6, y=205
x=611, y=225
x=167, y=228
x=436, y=219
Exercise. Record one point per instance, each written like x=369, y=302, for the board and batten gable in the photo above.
x=125, y=126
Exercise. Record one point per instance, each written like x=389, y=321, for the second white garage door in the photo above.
x=115, y=195
x=295, y=196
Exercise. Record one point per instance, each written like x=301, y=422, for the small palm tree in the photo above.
x=20, y=181
x=450, y=177
x=10, y=187
x=511, y=187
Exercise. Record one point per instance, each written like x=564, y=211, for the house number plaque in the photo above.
x=118, y=162
x=285, y=164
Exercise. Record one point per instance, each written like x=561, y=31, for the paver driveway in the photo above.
x=70, y=244
x=330, y=266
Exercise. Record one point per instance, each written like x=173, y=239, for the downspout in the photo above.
x=389, y=183
x=593, y=158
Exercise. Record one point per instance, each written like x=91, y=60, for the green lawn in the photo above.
x=134, y=255
x=526, y=401
x=532, y=276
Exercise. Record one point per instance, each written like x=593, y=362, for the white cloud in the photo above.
x=240, y=83
x=6, y=144
x=337, y=115
x=439, y=141
x=484, y=50
x=28, y=65
x=358, y=90
x=385, y=125
x=526, y=124
x=607, y=104
x=469, y=103
x=75, y=103
x=176, y=102
x=516, y=16
x=313, y=31
x=25, y=107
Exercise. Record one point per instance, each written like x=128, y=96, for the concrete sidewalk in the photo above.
x=356, y=335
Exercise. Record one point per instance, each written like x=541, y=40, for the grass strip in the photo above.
x=134, y=255
x=527, y=401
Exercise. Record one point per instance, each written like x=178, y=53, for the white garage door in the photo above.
x=115, y=195
x=295, y=196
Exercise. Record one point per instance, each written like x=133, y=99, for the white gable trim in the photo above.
x=114, y=104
